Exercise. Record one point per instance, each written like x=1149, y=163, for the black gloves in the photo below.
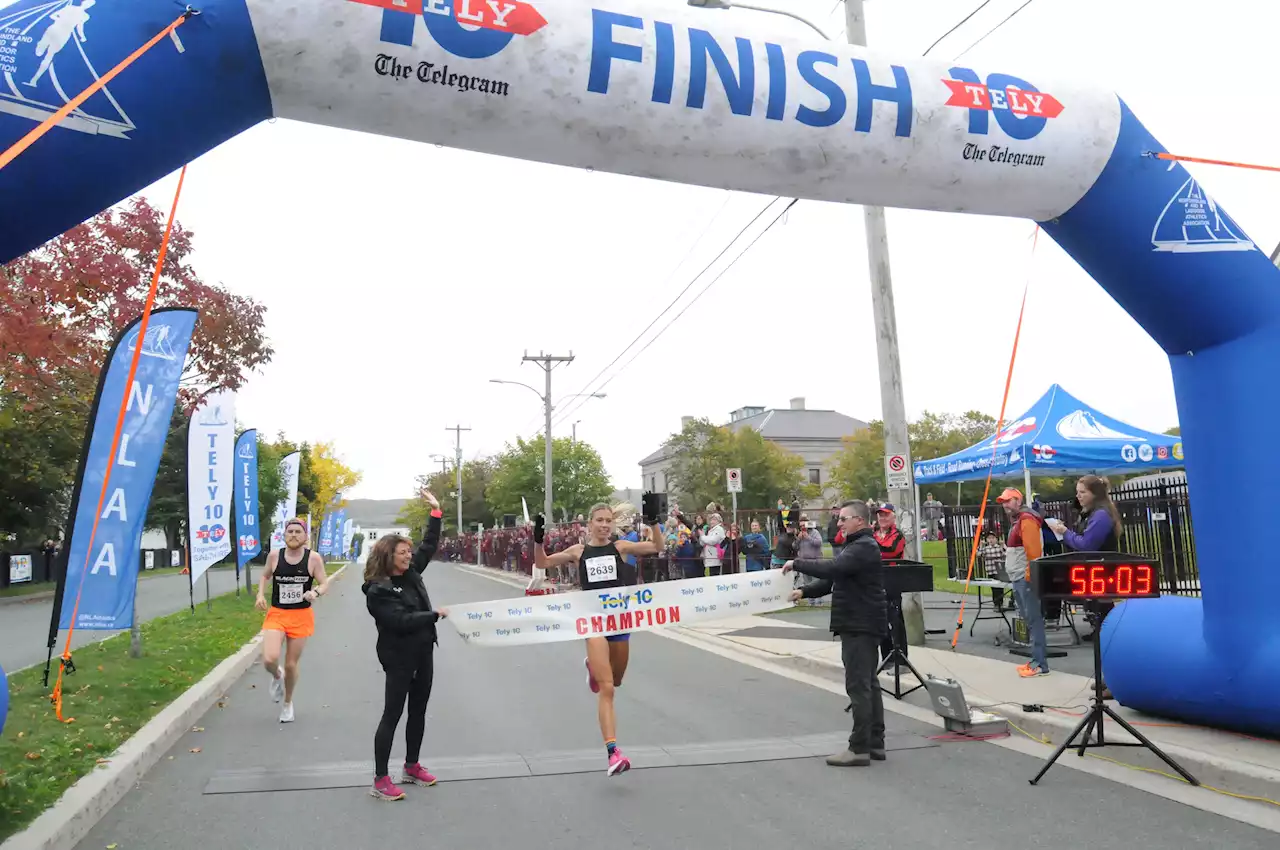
x=539, y=529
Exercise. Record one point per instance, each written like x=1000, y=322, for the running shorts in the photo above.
x=294, y=622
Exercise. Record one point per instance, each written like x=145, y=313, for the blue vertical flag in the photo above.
x=326, y=534
x=245, y=494
x=100, y=581
x=339, y=520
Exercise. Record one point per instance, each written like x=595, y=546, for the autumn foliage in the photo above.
x=66, y=301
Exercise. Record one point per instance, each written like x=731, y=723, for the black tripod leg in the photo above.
x=1150, y=746
x=1095, y=722
x=1062, y=747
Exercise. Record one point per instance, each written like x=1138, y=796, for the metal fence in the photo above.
x=1156, y=522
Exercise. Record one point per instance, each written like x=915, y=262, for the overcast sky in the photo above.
x=400, y=277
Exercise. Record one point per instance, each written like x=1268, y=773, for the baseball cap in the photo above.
x=886, y=507
x=1009, y=493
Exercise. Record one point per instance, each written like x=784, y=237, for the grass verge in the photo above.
x=27, y=588
x=111, y=697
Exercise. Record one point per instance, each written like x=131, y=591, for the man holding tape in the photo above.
x=602, y=565
x=859, y=615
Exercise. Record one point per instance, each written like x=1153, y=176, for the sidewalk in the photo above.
x=1231, y=762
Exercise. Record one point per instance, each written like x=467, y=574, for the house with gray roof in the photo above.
x=815, y=435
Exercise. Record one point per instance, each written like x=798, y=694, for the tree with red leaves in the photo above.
x=66, y=301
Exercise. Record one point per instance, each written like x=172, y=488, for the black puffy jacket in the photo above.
x=401, y=607
x=855, y=580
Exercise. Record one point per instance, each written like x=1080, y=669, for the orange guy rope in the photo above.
x=1008, y=381
x=1175, y=158
x=31, y=138
x=115, y=440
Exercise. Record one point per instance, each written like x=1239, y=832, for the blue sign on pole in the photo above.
x=339, y=520
x=245, y=494
x=102, y=565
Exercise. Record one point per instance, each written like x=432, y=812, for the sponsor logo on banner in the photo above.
x=1162, y=452
x=1145, y=452
x=1177, y=451
x=465, y=29
x=210, y=472
x=246, y=497
x=1018, y=429
x=1021, y=112
x=1084, y=425
x=1129, y=453
x=1043, y=454
x=594, y=613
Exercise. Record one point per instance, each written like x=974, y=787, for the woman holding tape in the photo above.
x=397, y=599
x=602, y=565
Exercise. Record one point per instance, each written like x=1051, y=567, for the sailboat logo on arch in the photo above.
x=45, y=62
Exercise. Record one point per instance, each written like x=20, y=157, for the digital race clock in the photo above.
x=1083, y=576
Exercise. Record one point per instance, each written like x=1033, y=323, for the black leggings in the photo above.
x=403, y=681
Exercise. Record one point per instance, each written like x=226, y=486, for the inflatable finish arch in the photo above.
x=649, y=90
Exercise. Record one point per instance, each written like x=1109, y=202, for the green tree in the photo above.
x=578, y=478
x=476, y=476
x=40, y=447
x=168, y=508
x=858, y=468
x=703, y=451
x=271, y=490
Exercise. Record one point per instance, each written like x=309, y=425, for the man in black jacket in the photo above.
x=855, y=580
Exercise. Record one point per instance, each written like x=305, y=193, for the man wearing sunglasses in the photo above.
x=855, y=580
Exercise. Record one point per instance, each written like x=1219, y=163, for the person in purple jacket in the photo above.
x=1098, y=530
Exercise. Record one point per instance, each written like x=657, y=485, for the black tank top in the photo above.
x=602, y=567
x=290, y=581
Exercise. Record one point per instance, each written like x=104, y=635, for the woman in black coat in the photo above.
x=397, y=598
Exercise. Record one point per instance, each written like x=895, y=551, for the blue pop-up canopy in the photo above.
x=1059, y=435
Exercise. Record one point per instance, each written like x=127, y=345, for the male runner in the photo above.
x=297, y=579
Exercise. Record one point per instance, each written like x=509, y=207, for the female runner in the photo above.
x=601, y=563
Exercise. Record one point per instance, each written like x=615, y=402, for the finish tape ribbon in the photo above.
x=639, y=608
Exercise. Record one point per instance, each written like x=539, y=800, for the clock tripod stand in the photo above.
x=1098, y=712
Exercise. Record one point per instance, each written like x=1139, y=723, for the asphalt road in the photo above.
x=24, y=626
x=533, y=699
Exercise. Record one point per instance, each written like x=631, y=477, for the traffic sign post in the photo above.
x=734, y=479
x=897, y=476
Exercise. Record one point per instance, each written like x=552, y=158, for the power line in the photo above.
x=996, y=27
x=704, y=289
x=963, y=21
x=689, y=285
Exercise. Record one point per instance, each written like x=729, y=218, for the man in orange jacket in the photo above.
x=1026, y=544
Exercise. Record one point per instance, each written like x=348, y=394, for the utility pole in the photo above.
x=893, y=407
x=458, y=429
x=547, y=362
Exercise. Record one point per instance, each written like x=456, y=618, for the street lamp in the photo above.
x=547, y=408
x=893, y=406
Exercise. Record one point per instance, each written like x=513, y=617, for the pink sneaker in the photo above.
x=591, y=682
x=384, y=789
x=618, y=763
x=416, y=774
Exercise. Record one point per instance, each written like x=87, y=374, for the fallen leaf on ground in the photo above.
x=195, y=749
x=112, y=846
x=33, y=756
x=197, y=728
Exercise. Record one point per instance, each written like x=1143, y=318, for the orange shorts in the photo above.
x=294, y=622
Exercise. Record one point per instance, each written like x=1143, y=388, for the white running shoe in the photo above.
x=286, y=713
x=277, y=687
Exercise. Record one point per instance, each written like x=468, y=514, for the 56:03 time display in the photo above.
x=1111, y=580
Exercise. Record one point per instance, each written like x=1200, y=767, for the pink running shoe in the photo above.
x=416, y=774
x=384, y=789
x=618, y=763
x=591, y=682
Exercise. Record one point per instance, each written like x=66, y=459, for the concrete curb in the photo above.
x=80, y=808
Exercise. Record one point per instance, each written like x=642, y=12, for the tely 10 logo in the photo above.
x=469, y=29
